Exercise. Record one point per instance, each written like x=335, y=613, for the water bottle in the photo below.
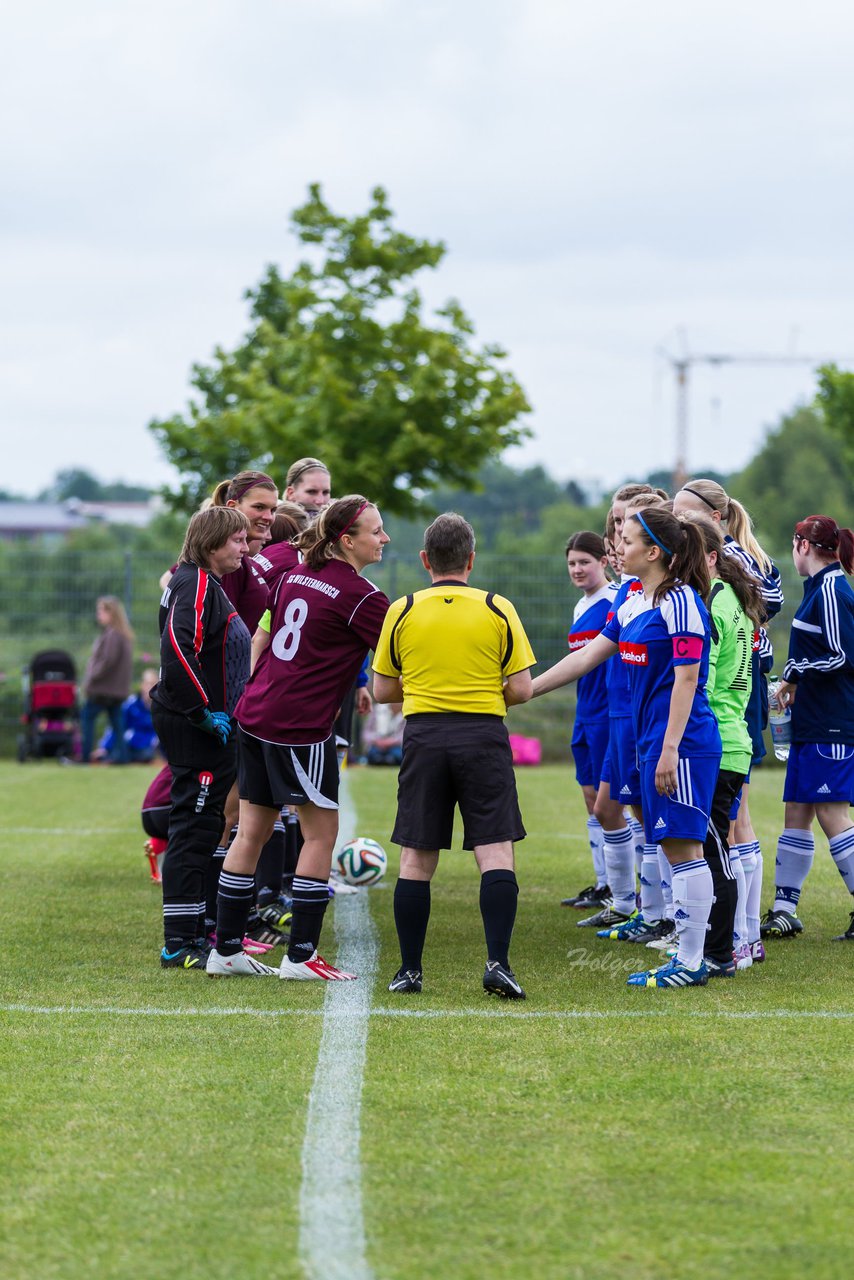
x=780, y=721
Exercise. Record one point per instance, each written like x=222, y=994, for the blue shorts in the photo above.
x=606, y=767
x=685, y=815
x=623, y=752
x=820, y=773
x=589, y=745
x=736, y=805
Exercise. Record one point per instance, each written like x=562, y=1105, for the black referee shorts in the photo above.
x=453, y=759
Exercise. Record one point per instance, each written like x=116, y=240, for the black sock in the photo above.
x=271, y=864
x=498, y=893
x=234, y=901
x=212, y=887
x=411, y=917
x=311, y=898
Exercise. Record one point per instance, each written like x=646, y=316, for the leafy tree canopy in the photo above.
x=340, y=363
x=835, y=399
x=503, y=504
x=799, y=471
x=76, y=483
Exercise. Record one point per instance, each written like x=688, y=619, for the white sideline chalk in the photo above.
x=493, y=1014
x=331, y=1220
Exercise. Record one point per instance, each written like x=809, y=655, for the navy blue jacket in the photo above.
x=821, y=660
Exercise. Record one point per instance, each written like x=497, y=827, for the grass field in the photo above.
x=153, y=1123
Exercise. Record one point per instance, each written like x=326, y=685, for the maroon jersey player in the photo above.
x=325, y=618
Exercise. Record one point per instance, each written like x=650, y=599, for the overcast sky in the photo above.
x=603, y=175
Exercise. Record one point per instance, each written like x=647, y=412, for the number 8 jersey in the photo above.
x=322, y=623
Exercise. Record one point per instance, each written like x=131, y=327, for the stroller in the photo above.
x=51, y=711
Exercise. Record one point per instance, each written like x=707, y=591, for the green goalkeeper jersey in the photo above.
x=728, y=686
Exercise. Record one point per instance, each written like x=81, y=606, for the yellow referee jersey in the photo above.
x=452, y=646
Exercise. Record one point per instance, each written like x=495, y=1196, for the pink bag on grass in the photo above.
x=525, y=750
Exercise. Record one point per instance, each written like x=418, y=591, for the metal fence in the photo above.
x=49, y=599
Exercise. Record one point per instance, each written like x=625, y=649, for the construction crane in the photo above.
x=681, y=366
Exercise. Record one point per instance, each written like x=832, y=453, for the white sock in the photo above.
x=666, y=873
x=795, y=853
x=652, y=898
x=693, y=890
x=637, y=832
x=595, y=836
x=842, y=852
x=754, y=894
x=740, y=933
x=618, y=849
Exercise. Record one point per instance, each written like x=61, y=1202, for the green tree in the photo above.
x=73, y=483
x=340, y=363
x=799, y=471
x=77, y=483
x=835, y=399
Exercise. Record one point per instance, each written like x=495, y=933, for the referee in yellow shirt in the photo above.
x=457, y=657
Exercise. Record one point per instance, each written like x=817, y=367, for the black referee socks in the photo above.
x=411, y=917
x=499, y=891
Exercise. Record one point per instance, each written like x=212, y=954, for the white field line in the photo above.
x=331, y=1221
x=63, y=831
x=494, y=1014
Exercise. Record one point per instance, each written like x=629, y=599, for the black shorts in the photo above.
x=155, y=822
x=274, y=775
x=456, y=758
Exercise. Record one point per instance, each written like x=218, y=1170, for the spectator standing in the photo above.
x=107, y=680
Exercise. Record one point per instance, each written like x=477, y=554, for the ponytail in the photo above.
x=739, y=526
x=319, y=542
x=827, y=537
x=730, y=569
x=233, y=490
x=683, y=550
x=846, y=550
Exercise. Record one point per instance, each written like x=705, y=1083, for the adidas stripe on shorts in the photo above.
x=820, y=773
x=685, y=815
x=273, y=774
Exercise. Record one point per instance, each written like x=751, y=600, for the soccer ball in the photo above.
x=361, y=861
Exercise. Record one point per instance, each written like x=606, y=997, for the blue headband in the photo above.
x=657, y=541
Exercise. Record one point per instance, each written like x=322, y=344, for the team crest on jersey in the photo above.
x=635, y=654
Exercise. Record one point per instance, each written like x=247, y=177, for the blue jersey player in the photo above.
x=586, y=563
x=662, y=634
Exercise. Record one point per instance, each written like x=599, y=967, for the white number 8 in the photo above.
x=287, y=638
